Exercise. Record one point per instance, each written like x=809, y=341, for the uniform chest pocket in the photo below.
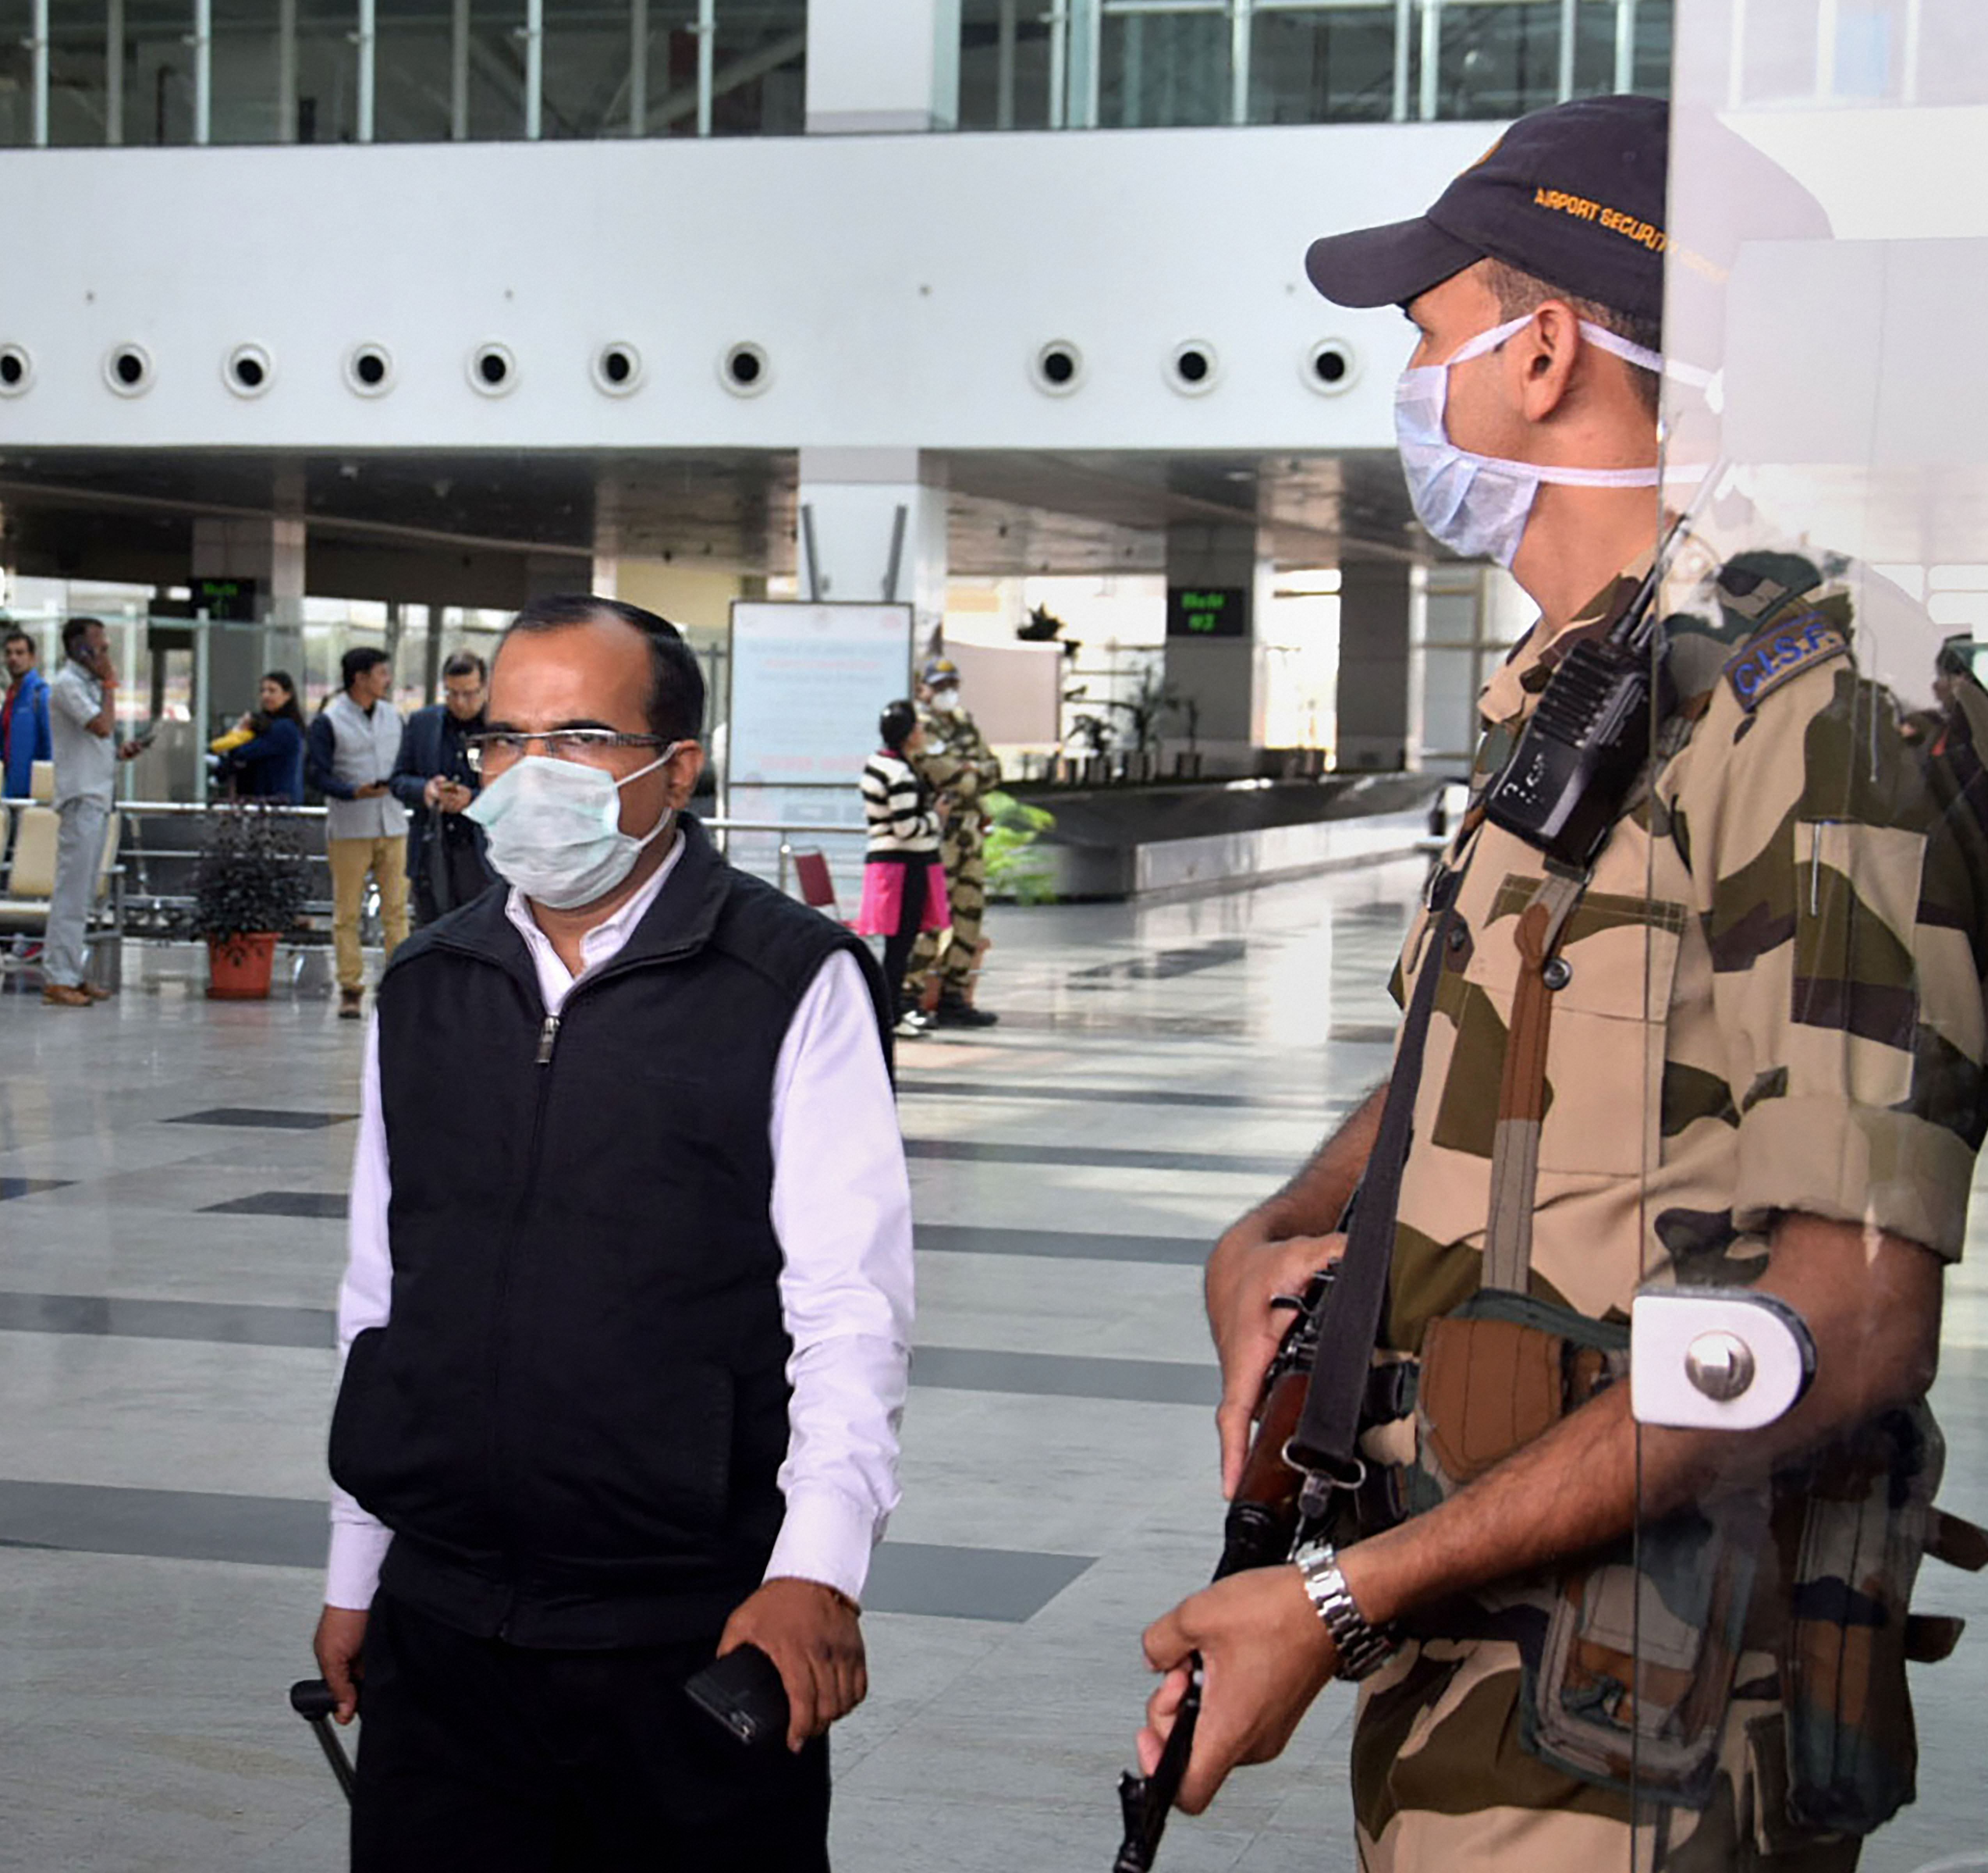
x=1612, y=978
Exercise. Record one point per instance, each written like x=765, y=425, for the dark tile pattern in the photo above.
x=219, y=1322
x=280, y=1532
x=265, y=1118
x=325, y=1204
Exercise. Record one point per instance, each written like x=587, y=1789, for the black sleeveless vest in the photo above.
x=573, y=1420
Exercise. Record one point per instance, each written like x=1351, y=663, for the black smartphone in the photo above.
x=742, y=1690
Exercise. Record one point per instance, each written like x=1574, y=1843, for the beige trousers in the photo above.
x=351, y=859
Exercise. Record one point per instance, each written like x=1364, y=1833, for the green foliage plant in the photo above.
x=1016, y=867
x=251, y=876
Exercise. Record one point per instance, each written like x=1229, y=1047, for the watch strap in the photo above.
x=1362, y=1648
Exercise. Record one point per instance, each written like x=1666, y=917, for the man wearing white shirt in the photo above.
x=626, y=1315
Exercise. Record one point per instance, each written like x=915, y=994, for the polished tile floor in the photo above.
x=171, y=1181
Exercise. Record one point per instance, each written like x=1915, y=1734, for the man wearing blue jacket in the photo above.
x=24, y=716
x=432, y=779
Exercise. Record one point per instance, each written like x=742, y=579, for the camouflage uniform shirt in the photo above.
x=1771, y=1003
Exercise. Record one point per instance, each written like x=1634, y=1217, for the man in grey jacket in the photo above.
x=349, y=757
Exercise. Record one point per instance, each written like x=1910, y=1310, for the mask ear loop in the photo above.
x=669, y=813
x=1624, y=348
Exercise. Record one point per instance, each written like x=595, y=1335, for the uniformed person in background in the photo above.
x=1759, y=1038
x=961, y=770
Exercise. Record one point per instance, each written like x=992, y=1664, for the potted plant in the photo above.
x=250, y=888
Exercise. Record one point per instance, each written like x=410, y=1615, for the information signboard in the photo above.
x=808, y=683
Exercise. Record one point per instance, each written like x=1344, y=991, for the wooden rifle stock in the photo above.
x=1258, y=1532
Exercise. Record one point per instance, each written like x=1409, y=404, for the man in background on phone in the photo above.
x=83, y=726
x=349, y=757
x=432, y=779
x=627, y=1312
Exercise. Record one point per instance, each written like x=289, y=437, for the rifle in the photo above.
x=1259, y=1531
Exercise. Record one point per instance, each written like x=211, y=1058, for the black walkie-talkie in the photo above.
x=1590, y=735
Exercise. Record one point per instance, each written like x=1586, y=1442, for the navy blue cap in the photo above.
x=1573, y=196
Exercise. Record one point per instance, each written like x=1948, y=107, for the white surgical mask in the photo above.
x=946, y=701
x=555, y=829
x=1477, y=505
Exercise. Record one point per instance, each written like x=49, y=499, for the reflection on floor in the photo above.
x=171, y=1187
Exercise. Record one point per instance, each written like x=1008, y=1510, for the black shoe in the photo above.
x=957, y=1011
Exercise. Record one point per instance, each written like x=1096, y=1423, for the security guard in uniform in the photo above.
x=961, y=770
x=1730, y=1086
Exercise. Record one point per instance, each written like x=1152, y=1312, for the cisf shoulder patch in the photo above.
x=1781, y=653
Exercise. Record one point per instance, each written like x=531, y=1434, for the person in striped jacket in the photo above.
x=904, y=884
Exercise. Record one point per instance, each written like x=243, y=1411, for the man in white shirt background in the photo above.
x=626, y=1313
x=82, y=729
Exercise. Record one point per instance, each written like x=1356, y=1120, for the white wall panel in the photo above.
x=901, y=287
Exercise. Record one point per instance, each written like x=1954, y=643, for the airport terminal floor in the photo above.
x=172, y=1175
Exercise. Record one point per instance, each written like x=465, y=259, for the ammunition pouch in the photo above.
x=1630, y=1655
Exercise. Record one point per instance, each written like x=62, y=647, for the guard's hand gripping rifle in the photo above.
x=1259, y=1531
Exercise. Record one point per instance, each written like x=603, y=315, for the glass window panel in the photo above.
x=17, y=73
x=78, y=98
x=158, y=71
x=1497, y=60
x=327, y=71
x=246, y=64
x=1652, y=57
x=1327, y=67
x=496, y=69
x=412, y=70
x=1449, y=701
x=1164, y=68
x=760, y=69
x=1594, y=48
x=1004, y=65
x=670, y=107
x=589, y=56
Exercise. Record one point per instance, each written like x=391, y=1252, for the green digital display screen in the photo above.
x=225, y=601
x=1208, y=611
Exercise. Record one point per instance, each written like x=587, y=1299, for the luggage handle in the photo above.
x=311, y=1698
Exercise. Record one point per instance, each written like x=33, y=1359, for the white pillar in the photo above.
x=534, y=67
x=707, y=62
x=883, y=65
x=871, y=526
x=39, y=30
x=203, y=70
x=368, y=41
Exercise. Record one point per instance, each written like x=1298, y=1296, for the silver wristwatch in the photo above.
x=1361, y=1649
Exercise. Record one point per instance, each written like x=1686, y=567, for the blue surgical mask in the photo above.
x=555, y=829
x=1477, y=505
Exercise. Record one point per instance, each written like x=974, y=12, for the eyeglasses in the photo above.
x=499, y=747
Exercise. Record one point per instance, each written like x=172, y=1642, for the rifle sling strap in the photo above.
x=1329, y=1428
